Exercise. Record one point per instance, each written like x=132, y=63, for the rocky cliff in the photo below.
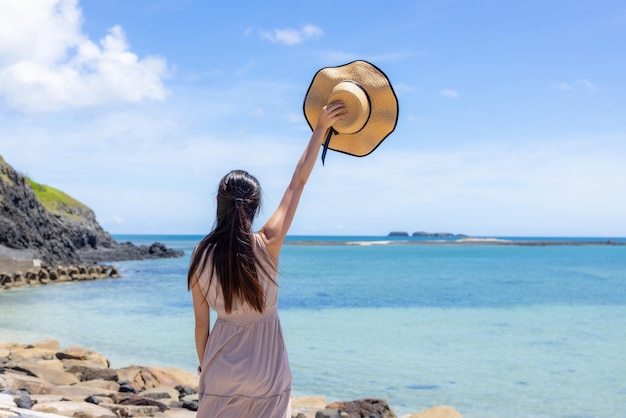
x=46, y=223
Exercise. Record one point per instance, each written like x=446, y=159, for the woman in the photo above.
x=244, y=369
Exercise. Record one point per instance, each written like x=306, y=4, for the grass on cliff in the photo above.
x=54, y=200
x=3, y=176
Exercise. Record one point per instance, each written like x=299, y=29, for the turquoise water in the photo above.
x=495, y=331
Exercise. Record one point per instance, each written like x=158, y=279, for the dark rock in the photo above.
x=92, y=399
x=64, y=234
x=24, y=401
x=65, y=356
x=184, y=390
x=140, y=400
x=364, y=408
x=191, y=405
x=85, y=373
x=328, y=413
x=21, y=370
x=127, y=388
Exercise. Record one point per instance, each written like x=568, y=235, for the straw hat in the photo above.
x=369, y=98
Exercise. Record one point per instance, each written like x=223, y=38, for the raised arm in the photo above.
x=275, y=230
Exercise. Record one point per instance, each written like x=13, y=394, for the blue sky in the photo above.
x=511, y=113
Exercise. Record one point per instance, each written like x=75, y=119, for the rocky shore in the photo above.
x=47, y=275
x=41, y=380
x=39, y=223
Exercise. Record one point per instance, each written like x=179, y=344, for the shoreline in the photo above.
x=42, y=379
x=462, y=241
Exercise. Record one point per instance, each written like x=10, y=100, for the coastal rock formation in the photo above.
x=41, y=380
x=76, y=381
x=40, y=222
x=375, y=408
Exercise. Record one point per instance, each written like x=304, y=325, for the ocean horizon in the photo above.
x=493, y=330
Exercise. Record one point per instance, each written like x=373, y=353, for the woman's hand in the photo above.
x=330, y=114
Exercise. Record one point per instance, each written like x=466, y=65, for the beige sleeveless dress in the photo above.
x=245, y=371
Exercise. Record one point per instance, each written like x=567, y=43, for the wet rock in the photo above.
x=370, y=408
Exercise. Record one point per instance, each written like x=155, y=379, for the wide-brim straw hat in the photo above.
x=371, y=104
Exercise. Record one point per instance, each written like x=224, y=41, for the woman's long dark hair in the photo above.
x=229, y=245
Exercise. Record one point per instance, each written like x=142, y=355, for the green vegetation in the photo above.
x=3, y=176
x=55, y=200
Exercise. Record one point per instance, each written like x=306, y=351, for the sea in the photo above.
x=493, y=330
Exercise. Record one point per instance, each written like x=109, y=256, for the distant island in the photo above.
x=427, y=234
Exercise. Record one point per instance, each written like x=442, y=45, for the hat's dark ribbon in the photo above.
x=331, y=131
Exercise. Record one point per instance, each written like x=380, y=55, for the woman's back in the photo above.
x=267, y=277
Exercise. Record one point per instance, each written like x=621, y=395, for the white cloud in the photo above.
x=48, y=63
x=562, y=86
x=449, y=93
x=402, y=88
x=580, y=84
x=291, y=37
x=586, y=84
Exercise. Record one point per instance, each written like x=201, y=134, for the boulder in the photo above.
x=79, y=391
x=31, y=276
x=86, y=354
x=327, y=413
x=130, y=379
x=190, y=398
x=16, y=381
x=163, y=394
x=31, y=354
x=4, y=354
x=178, y=413
x=78, y=383
x=6, y=279
x=137, y=400
x=43, y=276
x=51, y=371
x=7, y=400
x=441, y=411
x=132, y=410
x=89, y=371
x=47, y=344
x=24, y=401
x=371, y=408
x=102, y=384
x=75, y=409
x=173, y=377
